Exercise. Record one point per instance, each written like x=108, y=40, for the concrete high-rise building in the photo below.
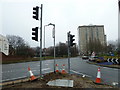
x=93, y=32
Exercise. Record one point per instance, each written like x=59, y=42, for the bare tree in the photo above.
x=95, y=45
x=15, y=41
x=62, y=50
x=18, y=47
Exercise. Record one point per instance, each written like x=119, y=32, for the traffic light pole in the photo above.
x=35, y=32
x=68, y=52
x=41, y=42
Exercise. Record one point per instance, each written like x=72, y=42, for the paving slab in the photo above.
x=61, y=82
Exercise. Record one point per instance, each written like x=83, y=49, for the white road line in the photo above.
x=45, y=69
x=31, y=68
x=26, y=76
x=46, y=64
x=34, y=70
x=12, y=64
x=115, y=69
x=80, y=73
x=110, y=68
x=7, y=71
x=6, y=80
x=104, y=67
x=14, y=78
x=48, y=72
x=42, y=69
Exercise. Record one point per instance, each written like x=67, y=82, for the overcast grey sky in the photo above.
x=67, y=15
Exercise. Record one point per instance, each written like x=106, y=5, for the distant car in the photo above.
x=93, y=58
x=85, y=57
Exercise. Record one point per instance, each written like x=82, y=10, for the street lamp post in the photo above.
x=54, y=41
x=44, y=40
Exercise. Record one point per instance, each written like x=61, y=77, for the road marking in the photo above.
x=110, y=68
x=45, y=69
x=34, y=70
x=38, y=65
x=46, y=64
x=31, y=68
x=14, y=78
x=6, y=80
x=7, y=71
x=104, y=67
x=115, y=69
x=12, y=64
x=42, y=69
x=27, y=76
x=48, y=72
x=24, y=76
x=80, y=73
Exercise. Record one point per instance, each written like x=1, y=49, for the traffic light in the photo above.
x=35, y=33
x=36, y=13
x=71, y=40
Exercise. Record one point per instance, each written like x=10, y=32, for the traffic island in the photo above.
x=77, y=81
x=110, y=66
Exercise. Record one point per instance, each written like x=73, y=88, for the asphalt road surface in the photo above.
x=78, y=66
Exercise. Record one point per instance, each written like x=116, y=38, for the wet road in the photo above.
x=78, y=66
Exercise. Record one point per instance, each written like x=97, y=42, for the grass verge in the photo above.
x=28, y=59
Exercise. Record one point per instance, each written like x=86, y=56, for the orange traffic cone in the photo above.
x=98, y=79
x=32, y=77
x=63, y=70
x=57, y=68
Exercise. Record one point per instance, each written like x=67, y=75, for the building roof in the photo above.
x=91, y=26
